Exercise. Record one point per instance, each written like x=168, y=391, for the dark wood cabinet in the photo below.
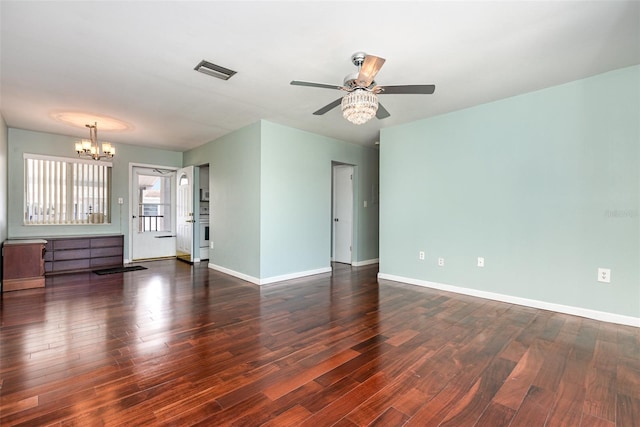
x=23, y=264
x=81, y=253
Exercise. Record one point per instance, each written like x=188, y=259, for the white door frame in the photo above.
x=191, y=257
x=131, y=205
x=349, y=213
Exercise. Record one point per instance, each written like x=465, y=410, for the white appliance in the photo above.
x=204, y=224
x=204, y=237
x=204, y=233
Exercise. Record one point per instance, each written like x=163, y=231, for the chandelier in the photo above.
x=88, y=148
x=359, y=106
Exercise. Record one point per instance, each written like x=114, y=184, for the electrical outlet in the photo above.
x=421, y=255
x=441, y=262
x=365, y=203
x=120, y=200
x=604, y=275
x=480, y=261
x=211, y=245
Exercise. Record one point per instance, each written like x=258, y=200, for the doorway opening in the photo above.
x=185, y=218
x=342, y=210
x=204, y=229
x=153, y=226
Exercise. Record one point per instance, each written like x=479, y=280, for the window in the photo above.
x=154, y=202
x=66, y=191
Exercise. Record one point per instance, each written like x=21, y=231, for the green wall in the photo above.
x=296, y=199
x=4, y=174
x=24, y=141
x=544, y=186
x=234, y=192
x=270, y=188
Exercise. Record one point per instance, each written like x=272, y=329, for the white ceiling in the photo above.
x=134, y=60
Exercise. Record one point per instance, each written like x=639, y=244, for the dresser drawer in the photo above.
x=101, y=242
x=112, y=251
x=70, y=244
x=71, y=254
x=74, y=264
x=106, y=262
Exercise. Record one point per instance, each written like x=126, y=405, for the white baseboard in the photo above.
x=269, y=280
x=366, y=262
x=297, y=275
x=234, y=273
x=566, y=309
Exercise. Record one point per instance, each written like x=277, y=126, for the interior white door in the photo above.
x=342, y=213
x=153, y=226
x=185, y=218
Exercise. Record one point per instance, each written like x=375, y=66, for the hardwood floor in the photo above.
x=181, y=345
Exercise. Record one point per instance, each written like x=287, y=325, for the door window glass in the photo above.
x=154, y=203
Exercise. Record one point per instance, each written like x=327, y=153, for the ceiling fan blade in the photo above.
x=407, y=89
x=310, y=84
x=329, y=107
x=382, y=112
x=369, y=69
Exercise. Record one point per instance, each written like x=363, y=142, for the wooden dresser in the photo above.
x=83, y=253
x=23, y=264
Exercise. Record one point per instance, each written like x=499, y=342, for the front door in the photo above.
x=342, y=213
x=184, y=214
x=153, y=226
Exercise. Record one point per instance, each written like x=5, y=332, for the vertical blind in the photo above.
x=66, y=191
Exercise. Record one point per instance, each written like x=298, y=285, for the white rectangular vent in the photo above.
x=214, y=70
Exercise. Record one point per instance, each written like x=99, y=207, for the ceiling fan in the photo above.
x=361, y=102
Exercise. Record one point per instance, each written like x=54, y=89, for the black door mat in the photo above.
x=119, y=269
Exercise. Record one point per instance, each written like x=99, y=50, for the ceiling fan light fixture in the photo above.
x=359, y=106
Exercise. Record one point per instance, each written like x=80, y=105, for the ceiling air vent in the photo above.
x=214, y=70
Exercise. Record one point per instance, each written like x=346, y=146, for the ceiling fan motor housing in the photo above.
x=358, y=58
x=350, y=82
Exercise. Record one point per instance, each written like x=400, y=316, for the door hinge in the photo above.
x=351, y=177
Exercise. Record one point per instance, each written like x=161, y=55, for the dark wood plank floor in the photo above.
x=181, y=345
